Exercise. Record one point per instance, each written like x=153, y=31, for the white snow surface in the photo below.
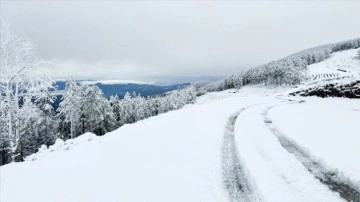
x=172, y=157
x=347, y=60
x=176, y=156
x=272, y=167
x=328, y=128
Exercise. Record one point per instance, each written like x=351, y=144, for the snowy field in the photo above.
x=328, y=128
x=178, y=156
x=172, y=157
x=340, y=64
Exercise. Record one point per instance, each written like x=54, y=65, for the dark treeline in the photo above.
x=290, y=70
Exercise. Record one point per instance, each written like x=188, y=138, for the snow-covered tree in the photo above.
x=47, y=122
x=20, y=84
x=28, y=125
x=127, y=111
x=70, y=110
x=176, y=99
x=190, y=95
x=5, y=147
x=164, y=104
x=153, y=105
x=84, y=109
x=140, y=108
x=115, y=104
x=135, y=107
x=109, y=122
x=96, y=113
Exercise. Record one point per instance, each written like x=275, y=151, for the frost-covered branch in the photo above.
x=19, y=85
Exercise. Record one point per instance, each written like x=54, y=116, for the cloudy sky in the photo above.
x=174, y=40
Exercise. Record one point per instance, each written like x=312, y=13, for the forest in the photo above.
x=291, y=70
x=28, y=119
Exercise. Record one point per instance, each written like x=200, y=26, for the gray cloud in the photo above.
x=157, y=40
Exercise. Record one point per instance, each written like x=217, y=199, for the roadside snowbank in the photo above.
x=61, y=145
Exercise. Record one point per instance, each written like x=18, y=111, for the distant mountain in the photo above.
x=111, y=88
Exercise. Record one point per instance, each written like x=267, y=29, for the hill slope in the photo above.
x=340, y=64
x=251, y=144
x=218, y=149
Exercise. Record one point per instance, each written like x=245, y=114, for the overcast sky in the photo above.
x=174, y=40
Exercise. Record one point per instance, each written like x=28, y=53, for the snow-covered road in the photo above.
x=236, y=178
x=331, y=129
x=278, y=174
x=219, y=149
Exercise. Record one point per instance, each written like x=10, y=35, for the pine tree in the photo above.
x=28, y=124
x=70, y=110
x=153, y=105
x=140, y=110
x=164, y=104
x=97, y=115
x=47, y=124
x=127, y=111
x=115, y=104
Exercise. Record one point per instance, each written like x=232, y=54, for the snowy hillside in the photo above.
x=337, y=76
x=222, y=148
x=224, y=118
x=249, y=143
x=340, y=64
x=171, y=157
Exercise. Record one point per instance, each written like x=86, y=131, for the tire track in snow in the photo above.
x=236, y=178
x=333, y=178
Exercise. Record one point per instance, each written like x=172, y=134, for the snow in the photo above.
x=328, y=128
x=327, y=71
x=61, y=145
x=347, y=60
x=176, y=156
x=271, y=166
x=171, y=157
